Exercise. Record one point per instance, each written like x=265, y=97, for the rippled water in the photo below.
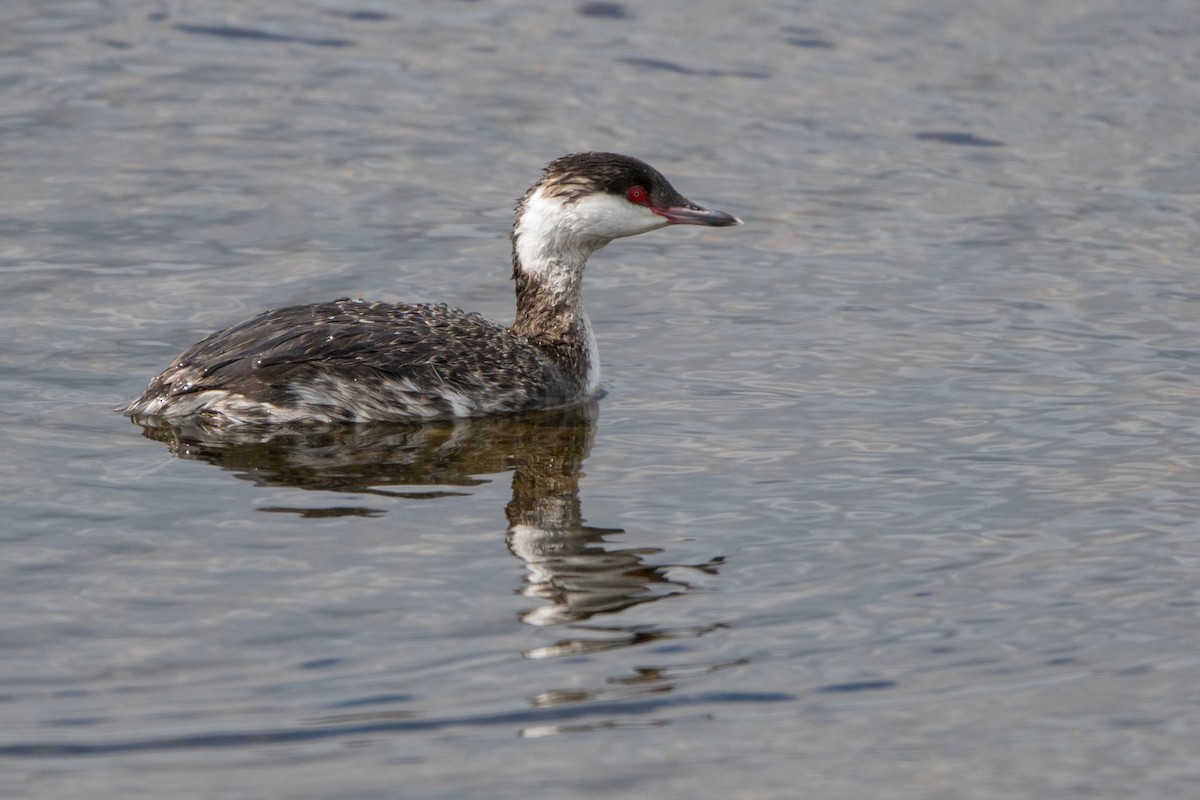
x=892, y=493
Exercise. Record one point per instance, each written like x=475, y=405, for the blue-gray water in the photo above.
x=892, y=494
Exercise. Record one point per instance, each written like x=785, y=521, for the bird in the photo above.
x=359, y=361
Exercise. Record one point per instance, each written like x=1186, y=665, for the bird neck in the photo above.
x=550, y=301
x=548, y=257
x=550, y=312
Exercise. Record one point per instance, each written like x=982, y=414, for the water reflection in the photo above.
x=572, y=567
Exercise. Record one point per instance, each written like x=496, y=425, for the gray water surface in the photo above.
x=892, y=492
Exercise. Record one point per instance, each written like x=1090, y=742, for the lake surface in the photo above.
x=892, y=493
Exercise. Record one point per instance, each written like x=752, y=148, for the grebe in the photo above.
x=358, y=361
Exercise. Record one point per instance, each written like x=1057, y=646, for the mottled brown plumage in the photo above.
x=276, y=358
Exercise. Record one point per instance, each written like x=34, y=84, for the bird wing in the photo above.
x=276, y=356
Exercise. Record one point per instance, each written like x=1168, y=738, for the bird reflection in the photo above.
x=572, y=567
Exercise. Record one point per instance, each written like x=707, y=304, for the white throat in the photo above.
x=555, y=235
x=548, y=249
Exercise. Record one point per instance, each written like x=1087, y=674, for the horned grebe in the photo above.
x=358, y=361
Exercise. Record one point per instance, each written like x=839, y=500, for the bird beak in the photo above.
x=695, y=215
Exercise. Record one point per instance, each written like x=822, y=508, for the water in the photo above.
x=892, y=493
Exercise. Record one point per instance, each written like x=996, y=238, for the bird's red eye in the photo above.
x=637, y=195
